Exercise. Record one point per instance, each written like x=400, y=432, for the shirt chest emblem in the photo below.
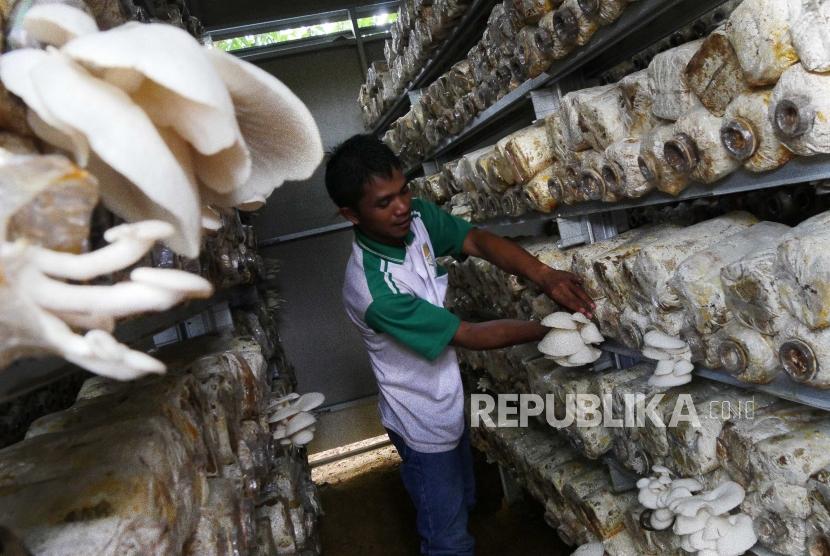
x=430, y=260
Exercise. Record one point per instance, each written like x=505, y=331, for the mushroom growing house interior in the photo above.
x=558, y=282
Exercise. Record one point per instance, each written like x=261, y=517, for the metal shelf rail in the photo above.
x=467, y=31
x=797, y=171
x=782, y=387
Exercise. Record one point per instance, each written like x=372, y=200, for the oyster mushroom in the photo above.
x=309, y=401
x=299, y=422
x=720, y=500
x=157, y=185
x=268, y=113
x=584, y=356
x=283, y=413
x=659, y=340
x=302, y=438
x=181, y=91
x=43, y=305
x=56, y=23
x=590, y=549
x=561, y=343
x=590, y=334
x=733, y=534
x=559, y=320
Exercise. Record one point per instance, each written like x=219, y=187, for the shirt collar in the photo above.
x=393, y=253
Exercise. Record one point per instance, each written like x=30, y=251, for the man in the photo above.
x=394, y=294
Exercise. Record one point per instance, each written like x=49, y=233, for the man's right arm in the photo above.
x=496, y=334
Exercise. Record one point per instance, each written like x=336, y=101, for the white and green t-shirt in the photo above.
x=395, y=297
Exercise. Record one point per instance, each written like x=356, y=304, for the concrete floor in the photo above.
x=346, y=424
x=368, y=512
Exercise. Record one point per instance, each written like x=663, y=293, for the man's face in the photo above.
x=384, y=210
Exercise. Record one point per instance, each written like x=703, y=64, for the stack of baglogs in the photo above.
x=521, y=40
x=749, y=95
x=730, y=292
x=172, y=137
x=194, y=462
x=420, y=28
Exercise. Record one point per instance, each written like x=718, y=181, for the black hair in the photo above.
x=356, y=162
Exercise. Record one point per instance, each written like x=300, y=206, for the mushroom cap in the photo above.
x=175, y=280
x=299, y=422
x=279, y=432
x=147, y=230
x=591, y=334
x=661, y=519
x=559, y=320
x=562, y=361
x=57, y=24
x=16, y=73
x=267, y=113
x=211, y=220
x=738, y=537
x=660, y=340
x=720, y=500
x=143, y=173
x=283, y=413
x=684, y=525
x=648, y=498
x=282, y=400
x=656, y=354
x=669, y=381
x=167, y=72
x=584, y=356
x=664, y=367
x=561, y=343
x=309, y=401
x=580, y=318
x=590, y=549
x=303, y=437
x=699, y=543
x=693, y=485
x=683, y=367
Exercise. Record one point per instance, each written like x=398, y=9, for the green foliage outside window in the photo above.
x=286, y=35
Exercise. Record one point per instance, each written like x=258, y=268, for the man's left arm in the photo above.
x=563, y=287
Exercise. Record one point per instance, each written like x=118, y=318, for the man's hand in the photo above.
x=566, y=289
x=563, y=287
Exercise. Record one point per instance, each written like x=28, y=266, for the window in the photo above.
x=298, y=29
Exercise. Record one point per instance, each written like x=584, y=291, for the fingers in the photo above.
x=572, y=296
x=584, y=298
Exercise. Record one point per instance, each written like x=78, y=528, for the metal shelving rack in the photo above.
x=782, y=387
x=467, y=31
x=593, y=221
x=608, y=47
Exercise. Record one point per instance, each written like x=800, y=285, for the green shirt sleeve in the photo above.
x=446, y=232
x=416, y=323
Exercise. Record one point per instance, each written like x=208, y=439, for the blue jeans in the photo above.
x=442, y=487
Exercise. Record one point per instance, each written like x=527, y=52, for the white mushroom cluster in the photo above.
x=673, y=356
x=40, y=308
x=166, y=125
x=291, y=420
x=590, y=549
x=702, y=519
x=571, y=340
